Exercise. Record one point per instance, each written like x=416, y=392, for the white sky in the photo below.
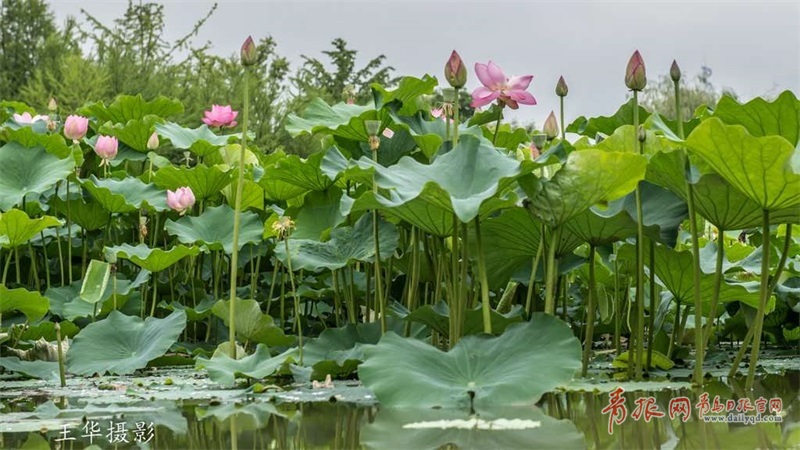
x=752, y=47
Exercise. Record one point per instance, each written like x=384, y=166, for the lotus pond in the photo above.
x=433, y=278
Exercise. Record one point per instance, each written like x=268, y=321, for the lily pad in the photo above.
x=29, y=171
x=224, y=370
x=252, y=325
x=45, y=370
x=121, y=344
x=214, y=228
x=152, y=259
x=478, y=373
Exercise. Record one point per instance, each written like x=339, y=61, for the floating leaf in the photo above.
x=223, y=369
x=121, y=344
x=16, y=228
x=29, y=171
x=214, y=228
x=346, y=244
x=479, y=372
x=152, y=259
x=204, y=181
x=32, y=304
x=45, y=370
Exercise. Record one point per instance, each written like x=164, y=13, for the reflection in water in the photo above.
x=568, y=420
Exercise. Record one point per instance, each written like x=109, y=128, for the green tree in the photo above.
x=659, y=96
x=28, y=40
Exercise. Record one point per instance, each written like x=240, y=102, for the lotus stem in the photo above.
x=563, y=124
x=456, y=109
x=295, y=297
x=46, y=260
x=532, y=279
x=764, y=294
x=17, y=265
x=380, y=301
x=654, y=302
x=69, y=234
x=6, y=266
x=590, y=313
x=237, y=217
x=486, y=305
x=717, y=285
x=639, y=360
x=60, y=256
x=748, y=338
x=552, y=273
x=61, y=370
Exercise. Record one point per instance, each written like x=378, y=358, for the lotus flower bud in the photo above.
x=455, y=72
x=106, y=148
x=641, y=135
x=52, y=106
x=551, y=126
x=675, y=71
x=635, y=76
x=249, y=53
x=51, y=125
x=181, y=199
x=534, y=151
x=152, y=142
x=372, y=127
x=561, y=87
x=75, y=127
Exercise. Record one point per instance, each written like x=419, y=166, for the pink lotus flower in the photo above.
x=26, y=118
x=220, y=116
x=152, y=141
x=75, y=127
x=535, y=153
x=496, y=86
x=181, y=199
x=106, y=148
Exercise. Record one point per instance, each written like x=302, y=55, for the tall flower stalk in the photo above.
x=247, y=49
x=372, y=128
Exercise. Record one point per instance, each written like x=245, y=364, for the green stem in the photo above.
x=237, y=218
x=17, y=264
x=590, y=313
x=764, y=294
x=638, y=361
x=60, y=255
x=532, y=279
x=46, y=260
x=654, y=302
x=61, y=368
x=563, y=125
x=496, y=129
x=456, y=110
x=487, y=306
x=717, y=285
x=380, y=301
x=552, y=273
x=6, y=266
x=69, y=235
x=296, y=300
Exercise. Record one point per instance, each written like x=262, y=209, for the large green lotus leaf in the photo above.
x=52, y=143
x=16, y=228
x=418, y=212
x=200, y=141
x=669, y=128
x=346, y=244
x=780, y=117
x=624, y=139
x=214, y=228
x=252, y=325
x=279, y=191
x=303, y=173
x=223, y=369
x=460, y=180
x=152, y=259
x=675, y=271
x=339, y=351
x=204, y=181
x=589, y=177
x=29, y=171
x=95, y=281
x=516, y=368
x=32, y=304
x=598, y=226
x=407, y=94
x=340, y=119
x=437, y=317
x=606, y=124
x=763, y=168
x=729, y=209
x=121, y=344
x=133, y=133
x=65, y=301
x=663, y=212
x=87, y=213
x=252, y=194
x=129, y=107
x=428, y=135
x=319, y=212
x=126, y=195
x=498, y=428
x=44, y=370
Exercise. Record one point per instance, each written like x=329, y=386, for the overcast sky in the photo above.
x=752, y=47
